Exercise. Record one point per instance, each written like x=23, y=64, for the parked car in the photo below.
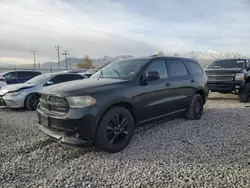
x=104, y=109
x=89, y=73
x=27, y=94
x=16, y=77
x=2, y=82
x=230, y=76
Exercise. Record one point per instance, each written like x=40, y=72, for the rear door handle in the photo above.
x=192, y=80
x=167, y=84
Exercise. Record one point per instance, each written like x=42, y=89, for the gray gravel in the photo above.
x=211, y=152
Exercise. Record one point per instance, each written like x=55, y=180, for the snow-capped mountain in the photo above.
x=206, y=55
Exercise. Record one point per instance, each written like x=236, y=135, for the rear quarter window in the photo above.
x=194, y=68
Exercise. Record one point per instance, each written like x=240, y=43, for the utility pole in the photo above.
x=58, y=54
x=34, y=54
x=66, y=58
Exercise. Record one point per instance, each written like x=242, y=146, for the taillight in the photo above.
x=3, y=79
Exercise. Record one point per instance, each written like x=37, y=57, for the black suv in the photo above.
x=230, y=76
x=105, y=109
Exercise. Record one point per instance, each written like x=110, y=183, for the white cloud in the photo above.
x=106, y=27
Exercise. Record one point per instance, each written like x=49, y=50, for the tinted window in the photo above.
x=64, y=78
x=194, y=68
x=158, y=66
x=74, y=77
x=177, y=68
x=229, y=63
x=23, y=74
x=10, y=76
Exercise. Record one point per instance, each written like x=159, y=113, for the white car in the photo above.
x=27, y=94
x=2, y=82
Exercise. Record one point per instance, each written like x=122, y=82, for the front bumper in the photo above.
x=14, y=101
x=63, y=138
x=228, y=86
x=68, y=129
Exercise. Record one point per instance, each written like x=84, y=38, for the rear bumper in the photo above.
x=226, y=86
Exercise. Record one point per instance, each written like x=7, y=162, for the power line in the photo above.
x=58, y=54
x=66, y=58
x=34, y=55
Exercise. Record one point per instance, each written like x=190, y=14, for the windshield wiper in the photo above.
x=101, y=74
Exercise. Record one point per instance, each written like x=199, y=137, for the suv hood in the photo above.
x=223, y=70
x=79, y=87
x=15, y=87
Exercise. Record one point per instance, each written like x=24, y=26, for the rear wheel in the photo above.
x=32, y=101
x=244, y=94
x=195, y=110
x=115, y=130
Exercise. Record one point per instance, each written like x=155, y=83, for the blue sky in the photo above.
x=117, y=27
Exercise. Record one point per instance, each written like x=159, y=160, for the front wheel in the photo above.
x=195, y=110
x=32, y=101
x=115, y=130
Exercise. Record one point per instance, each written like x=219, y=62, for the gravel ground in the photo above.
x=211, y=152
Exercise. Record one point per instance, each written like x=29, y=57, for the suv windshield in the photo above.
x=232, y=63
x=39, y=79
x=124, y=69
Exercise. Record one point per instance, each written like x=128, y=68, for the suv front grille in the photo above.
x=54, y=105
x=220, y=76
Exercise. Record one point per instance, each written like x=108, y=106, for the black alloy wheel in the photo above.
x=115, y=130
x=196, y=108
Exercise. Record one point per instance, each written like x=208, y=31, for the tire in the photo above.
x=111, y=137
x=195, y=110
x=32, y=101
x=244, y=94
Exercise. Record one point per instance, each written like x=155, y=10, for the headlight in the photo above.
x=81, y=101
x=239, y=76
x=13, y=94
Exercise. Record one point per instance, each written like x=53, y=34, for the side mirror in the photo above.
x=49, y=83
x=153, y=75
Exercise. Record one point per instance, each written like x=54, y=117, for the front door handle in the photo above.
x=167, y=84
x=192, y=80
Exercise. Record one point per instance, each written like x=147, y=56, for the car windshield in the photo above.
x=39, y=79
x=228, y=64
x=124, y=69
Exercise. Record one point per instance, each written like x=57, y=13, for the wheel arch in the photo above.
x=25, y=100
x=202, y=93
x=122, y=103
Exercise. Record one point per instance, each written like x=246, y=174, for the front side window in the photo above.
x=177, y=68
x=11, y=76
x=158, y=66
x=124, y=69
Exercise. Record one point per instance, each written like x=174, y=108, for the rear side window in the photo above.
x=177, y=68
x=23, y=75
x=74, y=77
x=194, y=68
x=65, y=78
x=158, y=66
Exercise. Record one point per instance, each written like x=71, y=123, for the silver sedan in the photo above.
x=27, y=94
